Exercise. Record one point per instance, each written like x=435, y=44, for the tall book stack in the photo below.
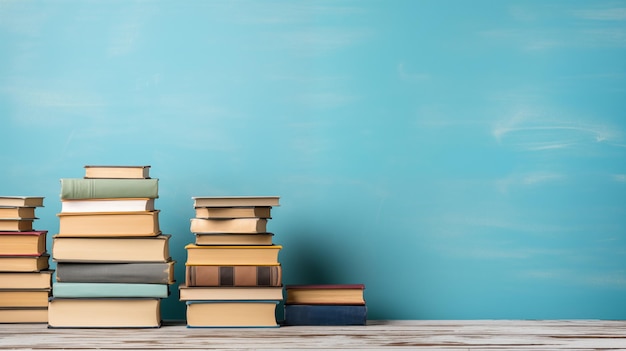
x=329, y=304
x=25, y=279
x=113, y=262
x=233, y=276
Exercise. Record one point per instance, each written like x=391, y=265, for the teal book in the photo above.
x=108, y=290
x=104, y=188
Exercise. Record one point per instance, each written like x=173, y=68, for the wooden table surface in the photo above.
x=377, y=335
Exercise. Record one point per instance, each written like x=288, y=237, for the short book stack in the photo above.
x=25, y=279
x=233, y=276
x=332, y=304
x=113, y=262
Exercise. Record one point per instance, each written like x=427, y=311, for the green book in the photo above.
x=79, y=290
x=81, y=188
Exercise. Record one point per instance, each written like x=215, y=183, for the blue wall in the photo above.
x=463, y=159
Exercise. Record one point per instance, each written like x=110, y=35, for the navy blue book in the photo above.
x=325, y=314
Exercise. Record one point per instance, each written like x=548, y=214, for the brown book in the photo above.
x=191, y=293
x=16, y=224
x=24, y=298
x=235, y=201
x=237, y=225
x=118, y=172
x=233, y=212
x=231, y=313
x=109, y=224
x=21, y=201
x=24, y=263
x=23, y=243
x=17, y=212
x=104, y=313
x=232, y=255
x=111, y=249
x=24, y=315
x=233, y=239
x=328, y=294
x=26, y=280
x=233, y=275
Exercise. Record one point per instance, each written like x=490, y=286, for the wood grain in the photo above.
x=493, y=335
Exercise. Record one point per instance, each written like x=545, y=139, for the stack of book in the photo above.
x=331, y=304
x=113, y=262
x=25, y=279
x=233, y=276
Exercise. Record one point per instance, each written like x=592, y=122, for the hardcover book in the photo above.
x=31, y=243
x=16, y=224
x=24, y=263
x=231, y=313
x=104, y=313
x=17, y=212
x=26, y=280
x=337, y=294
x=109, y=224
x=122, y=172
x=115, y=272
x=237, y=225
x=24, y=298
x=91, y=290
x=79, y=188
x=233, y=275
x=21, y=201
x=325, y=314
x=230, y=239
x=232, y=255
x=107, y=205
x=235, y=201
x=111, y=249
x=190, y=293
x=233, y=212
x=24, y=315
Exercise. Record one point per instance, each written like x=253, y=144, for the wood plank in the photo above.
x=490, y=335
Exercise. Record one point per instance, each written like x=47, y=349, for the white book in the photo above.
x=107, y=205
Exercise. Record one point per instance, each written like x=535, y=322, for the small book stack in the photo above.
x=233, y=276
x=25, y=279
x=113, y=262
x=333, y=304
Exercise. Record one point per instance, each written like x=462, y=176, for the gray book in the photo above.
x=136, y=272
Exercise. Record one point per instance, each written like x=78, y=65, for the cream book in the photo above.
x=107, y=205
x=232, y=255
x=231, y=314
x=237, y=225
x=104, y=313
x=120, y=172
x=109, y=224
x=235, y=201
x=111, y=249
x=21, y=201
x=230, y=293
x=233, y=212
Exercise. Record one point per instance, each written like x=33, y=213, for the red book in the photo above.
x=31, y=243
x=325, y=294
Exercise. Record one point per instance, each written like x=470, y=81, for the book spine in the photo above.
x=80, y=188
x=146, y=273
x=325, y=315
x=113, y=290
x=233, y=275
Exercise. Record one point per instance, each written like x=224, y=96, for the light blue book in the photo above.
x=78, y=290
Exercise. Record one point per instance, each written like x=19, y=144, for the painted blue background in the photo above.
x=463, y=159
